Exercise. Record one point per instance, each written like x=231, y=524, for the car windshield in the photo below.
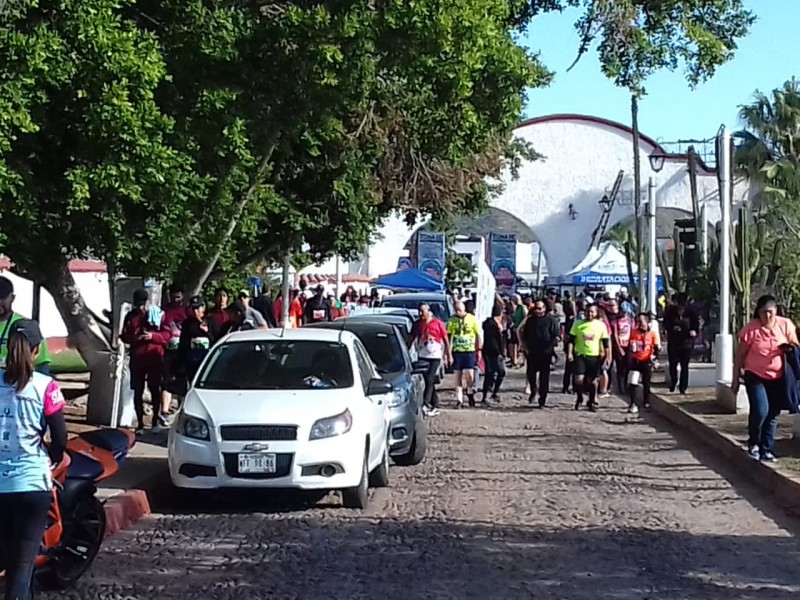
x=439, y=309
x=385, y=351
x=277, y=365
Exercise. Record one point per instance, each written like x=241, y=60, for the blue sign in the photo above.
x=430, y=254
x=503, y=261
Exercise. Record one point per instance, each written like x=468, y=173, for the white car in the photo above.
x=299, y=408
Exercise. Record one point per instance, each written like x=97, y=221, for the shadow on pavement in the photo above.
x=264, y=557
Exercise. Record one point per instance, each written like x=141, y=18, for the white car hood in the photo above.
x=267, y=407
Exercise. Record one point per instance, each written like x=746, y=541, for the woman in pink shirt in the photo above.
x=760, y=358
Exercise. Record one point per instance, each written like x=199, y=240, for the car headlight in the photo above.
x=331, y=426
x=398, y=398
x=193, y=427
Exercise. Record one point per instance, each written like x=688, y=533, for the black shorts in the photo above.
x=588, y=366
x=513, y=338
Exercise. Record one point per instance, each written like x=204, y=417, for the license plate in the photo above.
x=256, y=463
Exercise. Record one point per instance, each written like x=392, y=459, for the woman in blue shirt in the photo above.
x=30, y=403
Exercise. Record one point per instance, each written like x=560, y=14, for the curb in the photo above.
x=786, y=489
x=125, y=509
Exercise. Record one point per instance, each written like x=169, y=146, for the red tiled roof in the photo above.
x=76, y=266
x=331, y=279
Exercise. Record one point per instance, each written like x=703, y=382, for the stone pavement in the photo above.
x=511, y=503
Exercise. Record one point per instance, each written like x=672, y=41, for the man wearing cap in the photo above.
x=317, y=308
x=7, y=318
x=251, y=318
x=147, y=340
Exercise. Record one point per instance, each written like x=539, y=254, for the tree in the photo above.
x=636, y=38
x=768, y=151
x=183, y=139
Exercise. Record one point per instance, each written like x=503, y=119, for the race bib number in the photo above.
x=462, y=340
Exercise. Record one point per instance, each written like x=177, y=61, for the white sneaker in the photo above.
x=633, y=409
x=605, y=395
x=433, y=412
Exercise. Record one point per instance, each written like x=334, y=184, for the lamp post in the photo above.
x=724, y=341
x=653, y=247
x=657, y=158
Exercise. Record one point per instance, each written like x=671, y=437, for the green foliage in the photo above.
x=185, y=138
x=768, y=152
x=459, y=270
x=636, y=38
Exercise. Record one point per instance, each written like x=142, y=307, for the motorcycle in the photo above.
x=76, y=523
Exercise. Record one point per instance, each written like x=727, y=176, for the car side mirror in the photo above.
x=420, y=367
x=379, y=387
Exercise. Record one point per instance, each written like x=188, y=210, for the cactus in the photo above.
x=663, y=265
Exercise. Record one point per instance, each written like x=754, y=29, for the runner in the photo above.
x=621, y=327
x=539, y=337
x=643, y=350
x=464, y=333
x=493, y=355
x=429, y=335
x=517, y=316
x=588, y=350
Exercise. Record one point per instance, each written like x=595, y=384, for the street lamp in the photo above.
x=653, y=248
x=573, y=214
x=657, y=158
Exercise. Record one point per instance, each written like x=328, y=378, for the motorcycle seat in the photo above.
x=116, y=441
x=83, y=467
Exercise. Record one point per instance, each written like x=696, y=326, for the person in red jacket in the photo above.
x=147, y=335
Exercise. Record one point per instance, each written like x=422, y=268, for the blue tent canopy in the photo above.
x=410, y=279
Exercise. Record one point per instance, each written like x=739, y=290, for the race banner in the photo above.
x=503, y=261
x=430, y=254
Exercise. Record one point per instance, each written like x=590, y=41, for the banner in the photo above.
x=503, y=261
x=404, y=263
x=430, y=254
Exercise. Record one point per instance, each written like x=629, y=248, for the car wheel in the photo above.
x=380, y=476
x=419, y=448
x=358, y=497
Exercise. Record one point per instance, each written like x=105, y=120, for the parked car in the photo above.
x=441, y=304
x=395, y=316
x=408, y=440
x=295, y=408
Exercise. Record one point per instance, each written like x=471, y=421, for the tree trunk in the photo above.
x=89, y=337
x=637, y=196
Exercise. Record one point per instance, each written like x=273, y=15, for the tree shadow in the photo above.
x=208, y=557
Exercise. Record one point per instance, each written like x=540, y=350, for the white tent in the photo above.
x=602, y=266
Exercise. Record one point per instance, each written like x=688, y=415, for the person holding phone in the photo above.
x=760, y=361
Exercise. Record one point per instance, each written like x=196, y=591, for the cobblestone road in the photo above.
x=511, y=503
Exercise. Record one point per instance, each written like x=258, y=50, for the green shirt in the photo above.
x=518, y=316
x=589, y=336
x=463, y=333
x=44, y=353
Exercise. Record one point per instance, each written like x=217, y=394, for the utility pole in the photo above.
x=637, y=195
x=724, y=341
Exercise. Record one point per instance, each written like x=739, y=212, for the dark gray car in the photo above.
x=384, y=342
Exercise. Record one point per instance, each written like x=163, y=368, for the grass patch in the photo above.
x=68, y=361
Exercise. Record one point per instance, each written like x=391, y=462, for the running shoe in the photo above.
x=633, y=409
x=433, y=412
x=754, y=453
x=769, y=457
x=605, y=395
x=593, y=406
x=459, y=404
x=163, y=420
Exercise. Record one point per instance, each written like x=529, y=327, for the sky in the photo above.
x=671, y=111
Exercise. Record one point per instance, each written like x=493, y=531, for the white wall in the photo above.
x=524, y=253
x=582, y=159
x=93, y=288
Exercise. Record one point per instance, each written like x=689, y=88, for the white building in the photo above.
x=558, y=197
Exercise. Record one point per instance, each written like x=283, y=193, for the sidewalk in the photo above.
x=125, y=494
x=698, y=413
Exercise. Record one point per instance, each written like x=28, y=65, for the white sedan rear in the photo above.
x=301, y=408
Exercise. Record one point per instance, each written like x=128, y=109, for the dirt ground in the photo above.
x=511, y=503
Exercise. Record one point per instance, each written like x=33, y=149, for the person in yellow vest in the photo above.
x=9, y=317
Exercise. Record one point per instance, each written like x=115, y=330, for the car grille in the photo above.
x=258, y=433
x=283, y=465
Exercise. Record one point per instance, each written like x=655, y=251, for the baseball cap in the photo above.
x=589, y=300
x=140, y=297
x=196, y=302
x=6, y=287
x=29, y=329
x=320, y=288
x=244, y=294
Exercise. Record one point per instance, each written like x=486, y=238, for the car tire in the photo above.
x=380, y=476
x=358, y=496
x=419, y=448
